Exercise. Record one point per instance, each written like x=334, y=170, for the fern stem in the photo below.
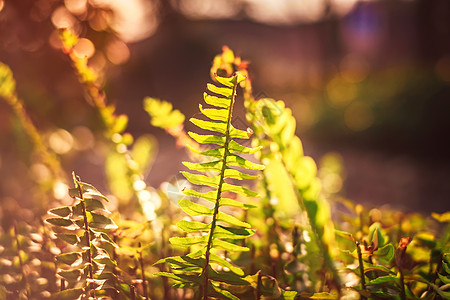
x=361, y=269
x=402, y=285
x=204, y=289
x=141, y=263
x=88, y=238
x=258, y=286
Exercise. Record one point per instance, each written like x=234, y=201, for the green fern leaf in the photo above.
x=218, y=174
x=194, y=209
x=207, y=139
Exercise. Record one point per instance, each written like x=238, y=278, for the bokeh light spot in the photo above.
x=77, y=7
x=60, y=141
x=2, y=4
x=60, y=190
x=139, y=185
x=40, y=172
x=99, y=20
x=62, y=18
x=83, y=138
x=117, y=52
x=341, y=92
x=332, y=183
x=84, y=48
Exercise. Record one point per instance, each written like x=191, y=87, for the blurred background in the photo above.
x=368, y=80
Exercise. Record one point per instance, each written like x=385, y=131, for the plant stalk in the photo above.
x=88, y=238
x=361, y=269
x=141, y=263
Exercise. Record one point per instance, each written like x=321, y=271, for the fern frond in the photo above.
x=89, y=267
x=216, y=172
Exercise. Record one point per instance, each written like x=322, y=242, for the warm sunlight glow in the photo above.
x=60, y=141
x=60, y=190
x=209, y=8
x=2, y=4
x=285, y=11
x=133, y=20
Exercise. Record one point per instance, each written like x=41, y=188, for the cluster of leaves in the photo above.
x=87, y=268
x=232, y=244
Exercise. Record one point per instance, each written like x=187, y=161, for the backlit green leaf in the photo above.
x=215, y=114
x=224, y=263
x=224, y=232
x=216, y=101
x=100, y=221
x=69, y=238
x=194, y=209
x=217, y=126
x=234, y=203
x=63, y=211
x=210, y=196
x=223, y=217
x=229, y=82
x=70, y=275
x=217, y=152
x=180, y=277
x=224, y=294
x=185, y=242
x=162, y=113
x=190, y=226
x=223, y=91
x=59, y=222
x=227, y=277
x=237, y=161
x=93, y=204
x=207, y=139
x=207, y=166
x=232, y=173
x=69, y=258
x=239, y=190
x=201, y=179
x=90, y=190
x=239, y=134
x=228, y=246
x=238, y=148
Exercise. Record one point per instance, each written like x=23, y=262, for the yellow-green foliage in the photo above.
x=287, y=246
x=208, y=240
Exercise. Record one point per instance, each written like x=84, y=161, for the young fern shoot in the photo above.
x=194, y=269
